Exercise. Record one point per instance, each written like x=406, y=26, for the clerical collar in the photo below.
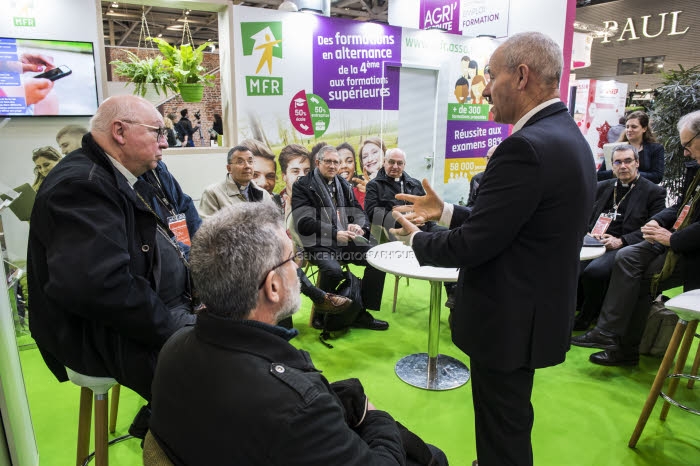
x=629, y=184
x=397, y=179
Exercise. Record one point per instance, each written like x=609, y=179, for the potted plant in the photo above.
x=185, y=65
x=144, y=72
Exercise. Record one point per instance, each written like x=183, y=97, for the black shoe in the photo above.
x=450, y=303
x=597, y=339
x=365, y=320
x=614, y=358
x=139, y=427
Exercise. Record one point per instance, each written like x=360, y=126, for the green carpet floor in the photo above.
x=584, y=414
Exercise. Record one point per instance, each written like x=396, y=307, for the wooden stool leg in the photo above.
x=101, y=406
x=694, y=370
x=658, y=382
x=113, y=408
x=396, y=292
x=313, y=308
x=84, y=420
x=680, y=364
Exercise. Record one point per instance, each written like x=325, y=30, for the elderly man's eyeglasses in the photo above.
x=160, y=131
x=291, y=258
x=399, y=163
x=686, y=146
x=619, y=162
x=334, y=163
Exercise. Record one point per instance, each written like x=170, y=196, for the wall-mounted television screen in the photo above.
x=47, y=77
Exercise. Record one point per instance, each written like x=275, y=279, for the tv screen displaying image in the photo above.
x=47, y=77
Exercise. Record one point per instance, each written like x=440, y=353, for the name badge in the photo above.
x=681, y=216
x=178, y=225
x=601, y=225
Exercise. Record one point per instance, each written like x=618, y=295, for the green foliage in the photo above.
x=677, y=96
x=185, y=62
x=143, y=72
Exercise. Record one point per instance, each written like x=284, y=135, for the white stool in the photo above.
x=687, y=306
x=99, y=386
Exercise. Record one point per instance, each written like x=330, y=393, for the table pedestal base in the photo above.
x=438, y=373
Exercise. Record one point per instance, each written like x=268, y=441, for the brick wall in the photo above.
x=211, y=100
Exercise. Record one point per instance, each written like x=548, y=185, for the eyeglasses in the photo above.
x=686, y=146
x=400, y=163
x=161, y=131
x=333, y=163
x=241, y=162
x=617, y=163
x=291, y=258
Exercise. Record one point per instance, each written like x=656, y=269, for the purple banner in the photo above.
x=439, y=14
x=349, y=64
x=467, y=139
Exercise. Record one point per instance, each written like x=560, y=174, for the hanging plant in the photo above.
x=185, y=62
x=146, y=72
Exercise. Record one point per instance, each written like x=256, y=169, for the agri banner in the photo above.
x=470, y=134
x=470, y=18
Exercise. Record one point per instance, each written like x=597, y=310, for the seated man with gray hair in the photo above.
x=251, y=396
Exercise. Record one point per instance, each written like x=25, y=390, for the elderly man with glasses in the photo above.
x=622, y=205
x=669, y=257
x=332, y=228
x=107, y=262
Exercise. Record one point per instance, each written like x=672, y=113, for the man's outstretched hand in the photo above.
x=407, y=229
x=423, y=208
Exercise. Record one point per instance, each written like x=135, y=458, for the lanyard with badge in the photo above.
x=606, y=218
x=177, y=223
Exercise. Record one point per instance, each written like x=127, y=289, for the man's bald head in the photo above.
x=126, y=127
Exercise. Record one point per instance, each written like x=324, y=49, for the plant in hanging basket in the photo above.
x=146, y=71
x=185, y=62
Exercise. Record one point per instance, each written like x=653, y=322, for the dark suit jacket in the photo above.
x=518, y=249
x=645, y=199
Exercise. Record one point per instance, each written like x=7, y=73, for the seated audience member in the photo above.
x=237, y=186
x=70, y=138
x=328, y=220
x=615, y=132
x=621, y=207
x=390, y=181
x=651, y=154
x=348, y=170
x=253, y=398
x=265, y=165
x=476, y=179
x=44, y=158
x=380, y=200
x=323, y=301
x=668, y=257
x=108, y=281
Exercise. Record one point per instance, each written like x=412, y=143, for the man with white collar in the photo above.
x=668, y=257
x=517, y=248
x=237, y=186
x=622, y=205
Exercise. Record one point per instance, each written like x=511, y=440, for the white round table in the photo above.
x=431, y=370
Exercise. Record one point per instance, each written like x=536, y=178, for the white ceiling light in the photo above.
x=287, y=5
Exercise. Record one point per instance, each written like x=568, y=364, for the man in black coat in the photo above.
x=381, y=191
x=518, y=248
x=233, y=390
x=669, y=257
x=332, y=228
x=108, y=278
x=620, y=209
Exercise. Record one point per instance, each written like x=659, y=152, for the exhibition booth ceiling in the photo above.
x=122, y=21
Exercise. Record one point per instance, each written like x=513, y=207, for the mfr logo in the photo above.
x=263, y=40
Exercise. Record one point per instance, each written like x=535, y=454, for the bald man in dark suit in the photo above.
x=518, y=248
